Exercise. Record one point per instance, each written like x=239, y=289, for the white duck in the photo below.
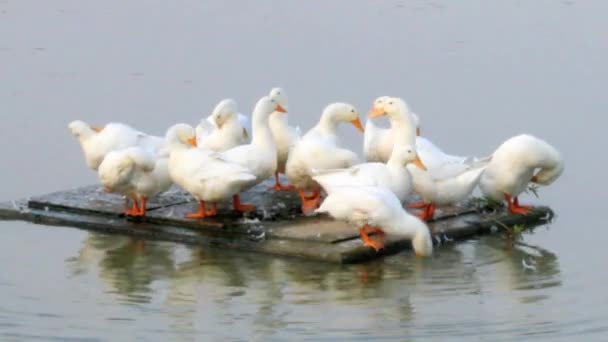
x=318, y=149
x=378, y=142
x=439, y=163
x=442, y=192
x=97, y=142
x=223, y=129
x=203, y=173
x=393, y=175
x=405, y=125
x=375, y=209
x=285, y=136
x=136, y=173
x=260, y=156
x=518, y=161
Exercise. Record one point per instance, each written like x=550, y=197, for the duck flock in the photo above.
x=223, y=156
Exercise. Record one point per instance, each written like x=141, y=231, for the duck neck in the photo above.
x=261, y=132
x=404, y=129
x=394, y=161
x=278, y=119
x=328, y=124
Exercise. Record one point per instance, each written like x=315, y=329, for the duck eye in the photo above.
x=390, y=103
x=352, y=110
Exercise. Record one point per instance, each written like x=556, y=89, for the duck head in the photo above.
x=181, y=134
x=280, y=96
x=224, y=112
x=343, y=112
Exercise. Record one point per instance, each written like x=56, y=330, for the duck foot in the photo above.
x=514, y=206
x=241, y=207
x=377, y=245
x=310, y=202
x=137, y=210
x=428, y=211
x=280, y=187
x=203, y=212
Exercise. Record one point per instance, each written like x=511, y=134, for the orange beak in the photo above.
x=419, y=163
x=357, y=123
x=280, y=109
x=418, y=131
x=97, y=129
x=376, y=112
x=192, y=141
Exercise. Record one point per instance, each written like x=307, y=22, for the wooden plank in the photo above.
x=275, y=228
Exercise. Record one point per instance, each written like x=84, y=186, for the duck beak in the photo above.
x=245, y=134
x=417, y=131
x=97, y=129
x=419, y=163
x=357, y=123
x=280, y=109
x=192, y=141
x=376, y=112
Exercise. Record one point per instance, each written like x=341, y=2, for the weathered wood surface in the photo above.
x=275, y=228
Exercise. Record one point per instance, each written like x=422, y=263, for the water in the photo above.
x=477, y=72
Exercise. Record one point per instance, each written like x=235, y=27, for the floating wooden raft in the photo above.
x=275, y=228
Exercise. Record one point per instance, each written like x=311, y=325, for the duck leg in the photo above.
x=280, y=187
x=134, y=211
x=241, y=207
x=428, y=212
x=212, y=211
x=418, y=205
x=142, y=207
x=201, y=213
x=514, y=206
x=309, y=202
x=376, y=245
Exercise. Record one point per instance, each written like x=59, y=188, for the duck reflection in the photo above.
x=126, y=265
x=225, y=287
x=522, y=266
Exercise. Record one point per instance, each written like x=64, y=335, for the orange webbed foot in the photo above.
x=418, y=205
x=377, y=245
x=281, y=187
x=521, y=210
x=241, y=207
x=201, y=213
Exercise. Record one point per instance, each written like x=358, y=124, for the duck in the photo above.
x=319, y=149
x=223, y=129
x=285, y=136
x=377, y=210
x=97, y=142
x=442, y=192
x=201, y=172
x=137, y=173
x=259, y=156
x=378, y=142
x=519, y=161
x=393, y=175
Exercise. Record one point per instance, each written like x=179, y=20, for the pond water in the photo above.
x=477, y=72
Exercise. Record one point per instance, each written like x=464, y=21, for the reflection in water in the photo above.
x=273, y=294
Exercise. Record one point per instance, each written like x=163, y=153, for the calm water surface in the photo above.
x=476, y=71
